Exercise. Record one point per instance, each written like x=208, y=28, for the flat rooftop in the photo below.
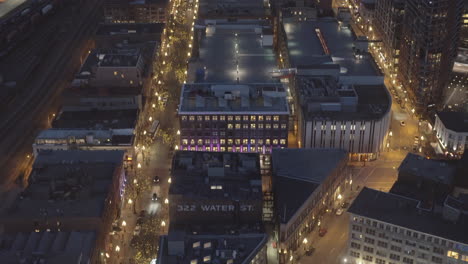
x=112, y=57
x=306, y=48
x=300, y=172
x=65, y=190
x=435, y=170
x=228, y=8
x=404, y=212
x=455, y=121
x=131, y=28
x=95, y=119
x=54, y=247
x=135, y=2
x=218, y=248
x=194, y=174
x=228, y=51
x=234, y=98
x=90, y=137
x=323, y=97
x=77, y=156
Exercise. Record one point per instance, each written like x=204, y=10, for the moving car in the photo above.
x=339, y=211
x=402, y=123
x=309, y=251
x=137, y=230
x=322, y=232
x=156, y=179
x=155, y=197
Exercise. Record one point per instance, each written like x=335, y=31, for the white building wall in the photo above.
x=450, y=140
x=354, y=136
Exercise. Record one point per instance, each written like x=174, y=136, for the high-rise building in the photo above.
x=428, y=49
x=388, y=30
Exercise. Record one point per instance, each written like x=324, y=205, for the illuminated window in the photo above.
x=222, y=118
x=238, y=118
x=215, y=141
x=275, y=142
x=245, y=141
x=260, y=118
x=115, y=73
x=245, y=118
x=207, y=259
x=267, y=141
x=268, y=118
x=194, y=261
x=260, y=141
x=184, y=118
x=192, y=142
x=229, y=118
x=452, y=254
x=244, y=149
x=252, y=126
x=282, y=141
x=200, y=142
x=207, y=118
x=238, y=126
x=215, y=148
x=222, y=149
x=229, y=126
x=252, y=141
x=275, y=126
x=207, y=149
x=199, y=118
x=238, y=141
x=184, y=141
x=196, y=244
x=207, y=141
x=268, y=126
x=192, y=118
x=464, y=258
x=245, y=126
x=275, y=118
x=214, y=118
x=230, y=141
x=283, y=126
x=222, y=141
x=260, y=126
x=253, y=118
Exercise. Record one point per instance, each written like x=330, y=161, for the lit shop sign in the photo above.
x=214, y=208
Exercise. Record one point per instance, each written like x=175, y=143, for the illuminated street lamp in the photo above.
x=150, y=118
x=130, y=201
x=166, y=201
x=139, y=165
x=176, y=147
x=117, y=248
x=305, y=240
x=178, y=132
x=107, y=255
x=340, y=197
x=163, y=223
x=124, y=224
x=169, y=180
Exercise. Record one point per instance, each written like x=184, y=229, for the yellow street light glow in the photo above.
x=124, y=223
x=178, y=132
x=144, y=132
x=150, y=119
x=154, y=105
x=166, y=201
x=340, y=197
x=117, y=248
x=163, y=223
x=169, y=180
x=139, y=165
x=176, y=147
x=305, y=240
x=107, y=255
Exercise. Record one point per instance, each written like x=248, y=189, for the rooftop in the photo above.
x=66, y=188
x=233, y=52
x=227, y=8
x=455, y=121
x=300, y=171
x=115, y=57
x=323, y=97
x=77, y=156
x=95, y=119
x=135, y=2
x=204, y=97
x=404, y=212
x=324, y=41
x=195, y=173
x=436, y=170
x=234, y=249
x=89, y=137
x=132, y=28
x=54, y=247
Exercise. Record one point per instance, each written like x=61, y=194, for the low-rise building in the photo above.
x=51, y=247
x=107, y=35
x=391, y=228
x=354, y=118
x=136, y=11
x=83, y=139
x=452, y=131
x=306, y=182
x=94, y=118
x=70, y=191
x=233, y=117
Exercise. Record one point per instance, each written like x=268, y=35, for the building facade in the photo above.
x=388, y=228
x=124, y=11
x=428, y=49
x=234, y=118
x=452, y=131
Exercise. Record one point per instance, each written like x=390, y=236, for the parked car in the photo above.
x=402, y=123
x=137, y=230
x=322, y=231
x=156, y=179
x=339, y=211
x=309, y=251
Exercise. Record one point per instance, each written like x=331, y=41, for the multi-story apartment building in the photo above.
x=233, y=117
x=386, y=228
x=428, y=49
x=127, y=11
x=388, y=29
